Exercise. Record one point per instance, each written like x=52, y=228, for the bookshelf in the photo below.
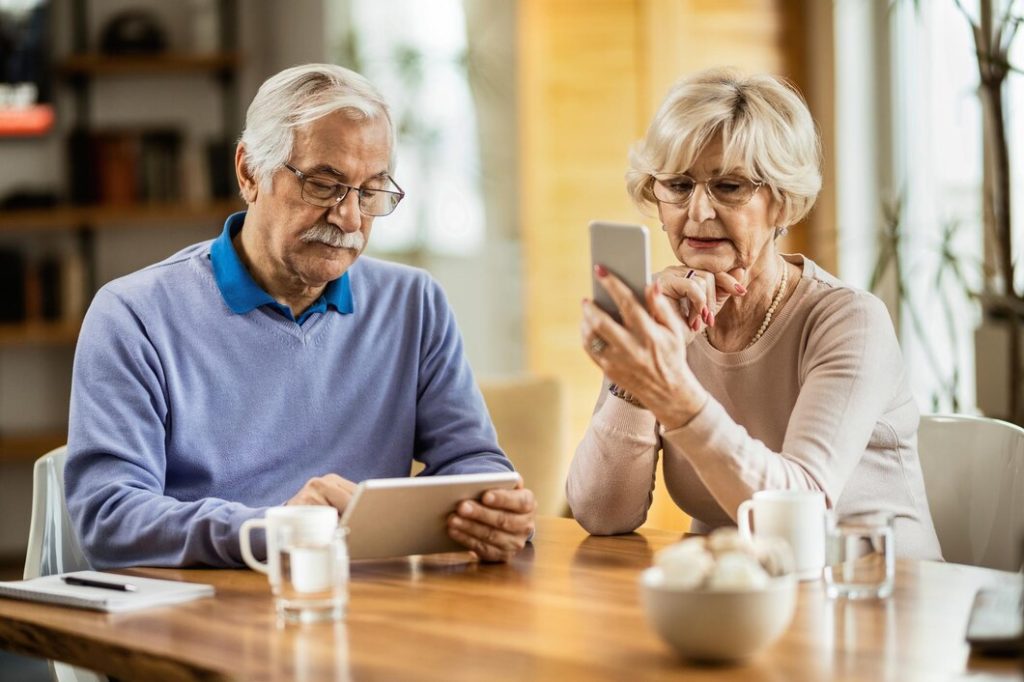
x=94, y=65
x=135, y=216
x=29, y=446
x=87, y=208
x=39, y=333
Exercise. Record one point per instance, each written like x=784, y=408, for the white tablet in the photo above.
x=389, y=517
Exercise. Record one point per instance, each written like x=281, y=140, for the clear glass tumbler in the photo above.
x=860, y=562
x=312, y=585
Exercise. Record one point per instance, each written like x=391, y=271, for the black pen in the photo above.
x=86, y=582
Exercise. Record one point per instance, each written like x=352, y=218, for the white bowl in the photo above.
x=718, y=625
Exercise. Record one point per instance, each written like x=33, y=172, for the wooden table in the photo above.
x=565, y=609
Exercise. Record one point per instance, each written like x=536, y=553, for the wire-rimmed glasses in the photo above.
x=325, y=192
x=726, y=190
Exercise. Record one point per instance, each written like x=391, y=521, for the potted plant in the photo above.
x=999, y=366
x=998, y=340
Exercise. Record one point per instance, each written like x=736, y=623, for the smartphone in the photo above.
x=624, y=251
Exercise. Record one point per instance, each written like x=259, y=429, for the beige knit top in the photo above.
x=819, y=402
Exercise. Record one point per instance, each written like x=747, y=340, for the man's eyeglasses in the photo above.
x=322, y=191
x=726, y=190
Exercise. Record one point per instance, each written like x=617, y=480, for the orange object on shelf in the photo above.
x=34, y=120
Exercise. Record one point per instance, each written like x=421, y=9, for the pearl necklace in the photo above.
x=771, y=308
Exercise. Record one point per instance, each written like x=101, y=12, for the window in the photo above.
x=420, y=65
x=910, y=150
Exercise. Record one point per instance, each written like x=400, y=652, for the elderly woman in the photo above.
x=747, y=368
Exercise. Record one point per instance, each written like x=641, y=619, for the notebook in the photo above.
x=147, y=592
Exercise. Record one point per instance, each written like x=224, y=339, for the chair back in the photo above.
x=530, y=416
x=52, y=542
x=974, y=479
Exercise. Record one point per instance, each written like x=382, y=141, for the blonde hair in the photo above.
x=766, y=130
x=296, y=97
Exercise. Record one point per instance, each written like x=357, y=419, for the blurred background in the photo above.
x=118, y=120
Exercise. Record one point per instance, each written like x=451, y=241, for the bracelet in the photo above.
x=622, y=394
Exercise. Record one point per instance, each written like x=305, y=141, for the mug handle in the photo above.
x=247, y=554
x=746, y=508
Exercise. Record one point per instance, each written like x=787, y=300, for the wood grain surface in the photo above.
x=567, y=608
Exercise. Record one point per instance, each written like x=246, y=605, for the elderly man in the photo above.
x=274, y=365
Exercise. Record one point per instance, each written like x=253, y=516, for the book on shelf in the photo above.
x=75, y=294
x=123, y=167
x=83, y=188
x=47, y=288
x=108, y=592
x=117, y=162
x=220, y=161
x=12, y=283
x=50, y=273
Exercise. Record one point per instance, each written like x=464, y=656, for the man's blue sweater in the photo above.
x=188, y=418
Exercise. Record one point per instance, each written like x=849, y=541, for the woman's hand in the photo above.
x=646, y=354
x=699, y=294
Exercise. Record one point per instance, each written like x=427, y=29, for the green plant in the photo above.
x=994, y=29
x=948, y=275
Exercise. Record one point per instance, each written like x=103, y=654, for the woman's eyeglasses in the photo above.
x=726, y=190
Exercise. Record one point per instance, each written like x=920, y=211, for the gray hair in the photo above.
x=296, y=97
x=766, y=132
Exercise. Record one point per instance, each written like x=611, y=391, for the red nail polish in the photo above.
x=600, y=270
x=740, y=289
x=704, y=312
x=694, y=325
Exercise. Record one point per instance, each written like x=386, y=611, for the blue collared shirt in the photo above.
x=241, y=292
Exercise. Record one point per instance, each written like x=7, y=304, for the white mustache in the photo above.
x=332, y=236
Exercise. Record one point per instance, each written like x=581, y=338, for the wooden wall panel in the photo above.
x=579, y=111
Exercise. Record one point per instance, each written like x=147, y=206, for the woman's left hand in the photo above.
x=646, y=354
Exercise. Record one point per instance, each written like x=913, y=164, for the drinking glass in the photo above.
x=313, y=582
x=860, y=562
x=307, y=561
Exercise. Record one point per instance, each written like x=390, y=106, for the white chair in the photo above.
x=974, y=478
x=52, y=543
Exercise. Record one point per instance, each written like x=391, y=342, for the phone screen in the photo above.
x=623, y=250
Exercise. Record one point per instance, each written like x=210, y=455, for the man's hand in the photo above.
x=497, y=527
x=331, y=490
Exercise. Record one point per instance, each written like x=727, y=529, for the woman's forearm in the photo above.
x=611, y=478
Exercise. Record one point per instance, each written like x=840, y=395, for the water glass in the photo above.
x=313, y=582
x=860, y=562
x=307, y=561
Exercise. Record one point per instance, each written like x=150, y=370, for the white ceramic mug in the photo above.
x=311, y=522
x=796, y=516
x=307, y=560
